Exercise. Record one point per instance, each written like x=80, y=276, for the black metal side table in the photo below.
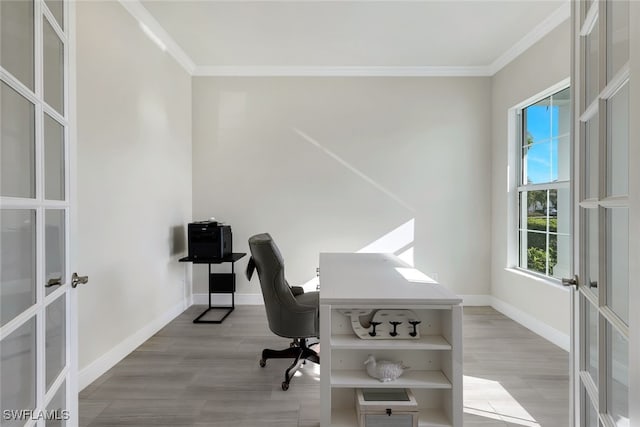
x=219, y=283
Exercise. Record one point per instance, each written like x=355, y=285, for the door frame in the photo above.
x=634, y=212
x=38, y=311
x=72, y=233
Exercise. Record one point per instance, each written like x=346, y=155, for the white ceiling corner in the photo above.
x=545, y=27
x=142, y=15
x=168, y=36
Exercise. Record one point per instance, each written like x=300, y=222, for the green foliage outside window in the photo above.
x=537, y=242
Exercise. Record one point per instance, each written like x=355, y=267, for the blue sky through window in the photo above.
x=542, y=155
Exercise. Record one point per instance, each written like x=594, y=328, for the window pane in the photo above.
x=56, y=8
x=591, y=65
x=591, y=340
x=16, y=39
x=53, y=68
x=546, y=143
x=618, y=378
x=536, y=252
x=618, y=142
x=18, y=259
x=618, y=262
x=536, y=203
x=617, y=36
x=537, y=163
x=53, y=159
x=58, y=405
x=55, y=354
x=18, y=371
x=538, y=121
x=54, y=246
x=592, y=158
x=17, y=124
x=591, y=231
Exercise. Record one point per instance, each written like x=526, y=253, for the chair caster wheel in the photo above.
x=263, y=363
x=285, y=385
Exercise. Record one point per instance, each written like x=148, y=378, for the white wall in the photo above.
x=134, y=191
x=543, y=65
x=333, y=164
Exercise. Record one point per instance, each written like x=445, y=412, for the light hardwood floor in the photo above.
x=208, y=375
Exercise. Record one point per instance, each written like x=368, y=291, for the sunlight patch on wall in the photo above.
x=393, y=241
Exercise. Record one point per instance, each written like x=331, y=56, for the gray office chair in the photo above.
x=291, y=312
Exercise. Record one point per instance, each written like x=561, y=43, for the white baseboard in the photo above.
x=553, y=335
x=225, y=299
x=476, y=300
x=108, y=360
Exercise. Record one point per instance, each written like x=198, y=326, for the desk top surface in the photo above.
x=374, y=279
x=229, y=258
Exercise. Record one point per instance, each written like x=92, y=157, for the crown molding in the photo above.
x=545, y=27
x=339, y=71
x=138, y=11
x=142, y=15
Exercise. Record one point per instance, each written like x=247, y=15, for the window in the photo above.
x=544, y=203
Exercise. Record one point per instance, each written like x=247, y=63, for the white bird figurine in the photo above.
x=384, y=370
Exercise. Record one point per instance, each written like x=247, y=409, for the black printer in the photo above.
x=209, y=240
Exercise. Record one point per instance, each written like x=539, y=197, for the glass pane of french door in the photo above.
x=17, y=47
x=54, y=158
x=18, y=372
x=35, y=356
x=18, y=259
x=53, y=68
x=18, y=132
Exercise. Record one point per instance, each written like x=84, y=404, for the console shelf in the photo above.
x=372, y=282
x=434, y=342
x=410, y=379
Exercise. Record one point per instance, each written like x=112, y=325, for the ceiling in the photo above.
x=236, y=37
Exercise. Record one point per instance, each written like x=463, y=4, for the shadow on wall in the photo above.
x=177, y=240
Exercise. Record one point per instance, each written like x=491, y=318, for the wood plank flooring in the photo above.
x=207, y=375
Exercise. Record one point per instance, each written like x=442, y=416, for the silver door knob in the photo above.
x=571, y=282
x=76, y=280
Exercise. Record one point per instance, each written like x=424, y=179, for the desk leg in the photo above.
x=211, y=307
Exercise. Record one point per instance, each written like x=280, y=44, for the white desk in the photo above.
x=383, y=281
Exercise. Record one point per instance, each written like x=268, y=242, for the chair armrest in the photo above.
x=297, y=290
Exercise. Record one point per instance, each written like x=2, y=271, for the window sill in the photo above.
x=556, y=283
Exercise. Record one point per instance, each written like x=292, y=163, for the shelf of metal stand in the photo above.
x=219, y=283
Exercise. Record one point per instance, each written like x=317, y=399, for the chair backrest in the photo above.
x=277, y=295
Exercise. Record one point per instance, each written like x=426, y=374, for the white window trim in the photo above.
x=513, y=168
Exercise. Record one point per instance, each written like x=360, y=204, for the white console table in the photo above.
x=383, y=281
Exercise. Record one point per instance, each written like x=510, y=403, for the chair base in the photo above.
x=299, y=350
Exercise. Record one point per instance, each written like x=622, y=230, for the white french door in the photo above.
x=601, y=306
x=37, y=340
